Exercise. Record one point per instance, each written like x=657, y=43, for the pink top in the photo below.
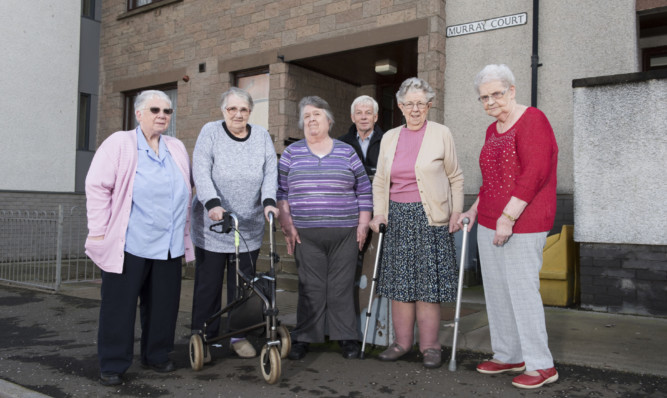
x=109, y=186
x=404, y=187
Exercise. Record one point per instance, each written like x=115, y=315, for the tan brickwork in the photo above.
x=181, y=35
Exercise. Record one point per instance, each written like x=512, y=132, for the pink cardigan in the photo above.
x=109, y=186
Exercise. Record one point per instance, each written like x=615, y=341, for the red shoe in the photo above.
x=545, y=376
x=491, y=368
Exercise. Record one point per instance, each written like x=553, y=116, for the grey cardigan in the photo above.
x=240, y=175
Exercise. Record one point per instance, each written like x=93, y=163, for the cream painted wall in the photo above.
x=576, y=39
x=40, y=65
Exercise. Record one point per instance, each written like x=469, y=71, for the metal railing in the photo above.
x=45, y=248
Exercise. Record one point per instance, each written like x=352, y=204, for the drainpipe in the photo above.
x=535, y=58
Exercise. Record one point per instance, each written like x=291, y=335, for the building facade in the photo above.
x=282, y=50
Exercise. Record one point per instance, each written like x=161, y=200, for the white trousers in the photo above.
x=511, y=276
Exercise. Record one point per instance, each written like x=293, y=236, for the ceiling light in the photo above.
x=385, y=67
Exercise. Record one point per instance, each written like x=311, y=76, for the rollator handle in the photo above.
x=225, y=225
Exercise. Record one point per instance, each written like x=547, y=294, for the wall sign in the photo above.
x=489, y=24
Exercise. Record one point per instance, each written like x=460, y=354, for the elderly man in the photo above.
x=364, y=135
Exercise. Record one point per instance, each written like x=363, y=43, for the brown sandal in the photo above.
x=392, y=353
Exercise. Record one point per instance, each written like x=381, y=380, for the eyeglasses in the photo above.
x=155, y=110
x=420, y=105
x=234, y=110
x=497, y=95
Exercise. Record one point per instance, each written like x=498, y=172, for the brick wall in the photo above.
x=163, y=44
x=624, y=278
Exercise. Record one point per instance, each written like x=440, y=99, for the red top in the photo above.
x=521, y=162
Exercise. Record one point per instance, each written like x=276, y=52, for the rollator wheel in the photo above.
x=270, y=364
x=285, y=341
x=196, y=352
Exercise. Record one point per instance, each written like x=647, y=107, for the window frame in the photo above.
x=83, y=127
x=650, y=52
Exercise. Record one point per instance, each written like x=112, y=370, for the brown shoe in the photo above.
x=432, y=358
x=392, y=353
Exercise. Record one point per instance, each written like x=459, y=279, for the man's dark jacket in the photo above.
x=371, y=160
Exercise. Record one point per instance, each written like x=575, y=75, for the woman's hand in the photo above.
x=215, y=213
x=472, y=216
x=503, y=231
x=291, y=237
x=453, y=225
x=376, y=221
x=100, y=237
x=273, y=209
x=362, y=233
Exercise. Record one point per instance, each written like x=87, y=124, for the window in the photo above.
x=83, y=133
x=256, y=83
x=88, y=9
x=130, y=121
x=654, y=58
x=132, y=4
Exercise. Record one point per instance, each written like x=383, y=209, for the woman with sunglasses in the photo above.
x=515, y=208
x=138, y=194
x=234, y=166
x=418, y=194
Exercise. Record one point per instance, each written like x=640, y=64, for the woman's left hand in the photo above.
x=503, y=231
x=362, y=233
x=273, y=209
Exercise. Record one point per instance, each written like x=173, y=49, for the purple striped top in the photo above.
x=323, y=192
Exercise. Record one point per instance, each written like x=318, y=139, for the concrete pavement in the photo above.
x=628, y=343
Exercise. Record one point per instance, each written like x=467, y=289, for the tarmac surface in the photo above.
x=599, y=342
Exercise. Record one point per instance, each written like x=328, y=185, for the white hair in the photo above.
x=365, y=100
x=415, y=84
x=495, y=73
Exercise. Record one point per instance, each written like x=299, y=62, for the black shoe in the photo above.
x=110, y=379
x=350, y=348
x=164, y=367
x=298, y=351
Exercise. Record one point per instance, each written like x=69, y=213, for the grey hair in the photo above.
x=239, y=92
x=495, y=73
x=415, y=84
x=365, y=100
x=318, y=103
x=145, y=95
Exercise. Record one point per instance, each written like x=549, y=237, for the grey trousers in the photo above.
x=326, y=260
x=511, y=276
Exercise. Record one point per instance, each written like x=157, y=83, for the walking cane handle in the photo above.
x=383, y=228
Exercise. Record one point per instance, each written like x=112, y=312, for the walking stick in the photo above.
x=383, y=229
x=464, y=246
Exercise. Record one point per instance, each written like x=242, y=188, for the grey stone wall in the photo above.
x=620, y=190
x=620, y=148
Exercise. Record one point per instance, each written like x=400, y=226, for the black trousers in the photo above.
x=210, y=270
x=157, y=285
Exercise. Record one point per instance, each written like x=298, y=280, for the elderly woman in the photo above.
x=324, y=196
x=234, y=168
x=515, y=208
x=418, y=194
x=137, y=195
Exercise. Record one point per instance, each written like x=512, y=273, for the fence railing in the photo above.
x=44, y=248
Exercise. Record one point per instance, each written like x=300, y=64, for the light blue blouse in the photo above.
x=159, y=204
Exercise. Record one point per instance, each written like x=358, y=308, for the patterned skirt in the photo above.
x=418, y=260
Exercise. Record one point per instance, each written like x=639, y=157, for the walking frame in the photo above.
x=278, y=342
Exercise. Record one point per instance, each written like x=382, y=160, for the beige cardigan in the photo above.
x=439, y=176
